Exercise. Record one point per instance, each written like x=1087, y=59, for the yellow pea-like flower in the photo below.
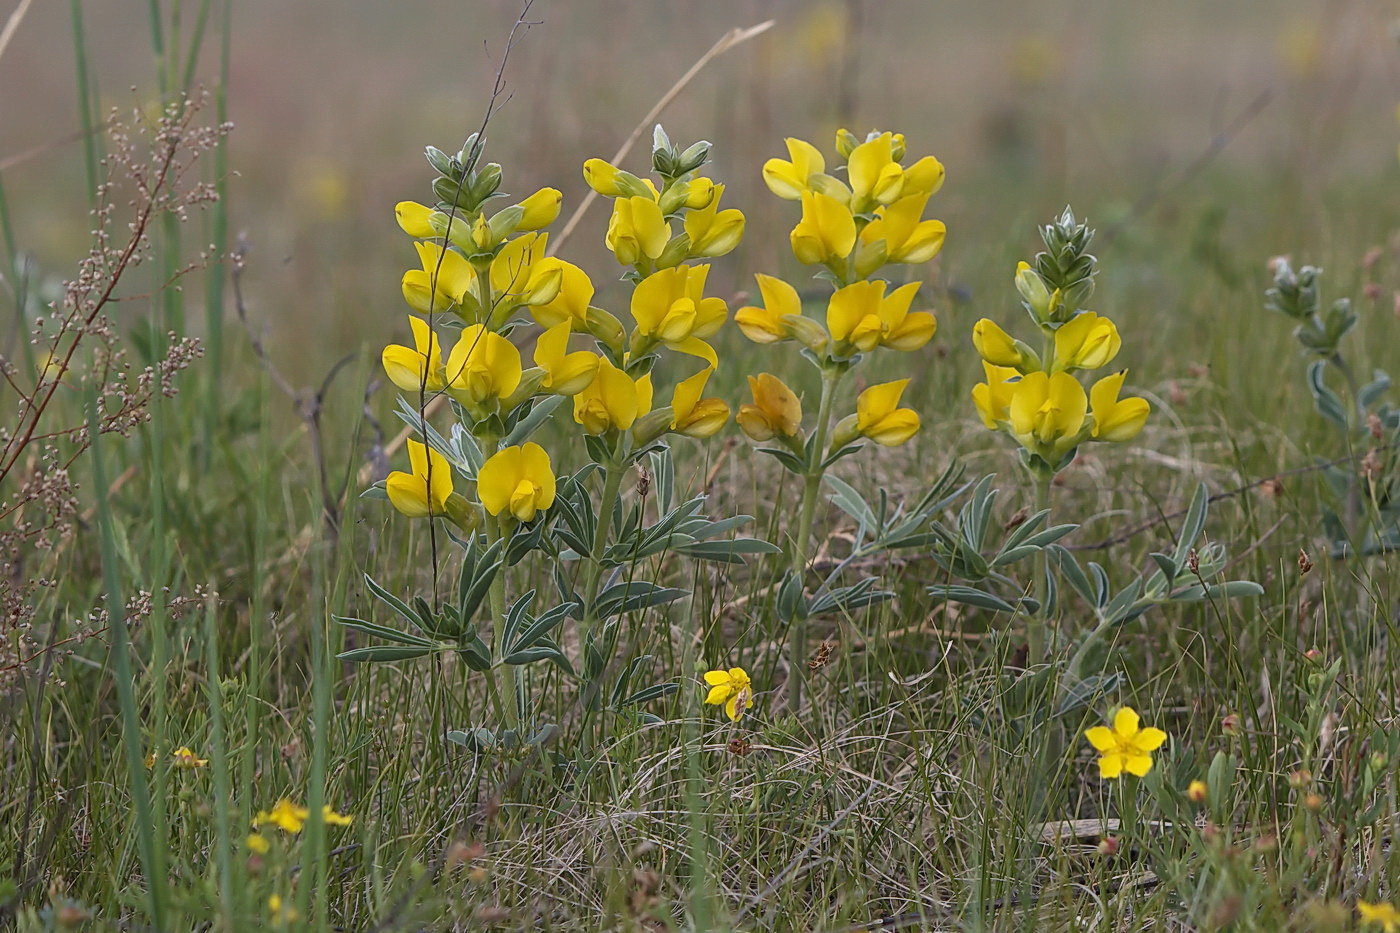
x=541, y=209
x=764, y=325
x=670, y=308
x=701, y=192
x=826, y=232
x=518, y=480
x=923, y=177
x=602, y=177
x=995, y=345
x=483, y=366
x=713, y=232
x=521, y=273
x=420, y=367
x=446, y=277
x=862, y=316
x=414, y=218
x=906, y=236
x=879, y=417
x=1116, y=419
x=993, y=397
x=1047, y=413
x=692, y=415
x=565, y=373
x=1086, y=341
x=776, y=409
x=571, y=302
x=875, y=175
x=789, y=179
x=637, y=228
x=1033, y=289
x=424, y=490
x=613, y=400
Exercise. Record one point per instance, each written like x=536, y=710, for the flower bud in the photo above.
x=1197, y=792
x=846, y=431
x=606, y=328
x=693, y=157
x=652, y=425
x=806, y=332
x=540, y=209
x=1033, y=290
x=846, y=142
x=485, y=182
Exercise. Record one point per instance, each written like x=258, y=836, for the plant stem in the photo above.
x=811, y=491
x=593, y=573
x=504, y=673
x=1037, y=625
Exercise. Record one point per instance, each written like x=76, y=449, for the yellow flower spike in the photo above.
x=732, y=689
x=449, y=271
x=418, y=368
x=826, y=232
x=875, y=175
x=541, y=209
x=993, y=397
x=1116, y=419
x=285, y=815
x=670, y=308
x=764, y=325
x=637, y=229
x=995, y=345
x=571, y=303
x=482, y=366
x=694, y=416
x=518, y=480
x=184, y=758
x=612, y=400
x=908, y=238
x=1047, y=413
x=776, y=409
x=423, y=491
x=565, y=373
x=879, y=417
x=1125, y=747
x=1383, y=915
x=413, y=218
x=521, y=274
x=713, y=232
x=789, y=179
x=923, y=177
x=1086, y=341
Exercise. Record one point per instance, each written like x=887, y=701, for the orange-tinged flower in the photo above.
x=423, y=491
x=1125, y=747
x=732, y=689
x=692, y=415
x=776, y=409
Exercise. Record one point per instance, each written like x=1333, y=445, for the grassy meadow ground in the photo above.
x=1200, y=138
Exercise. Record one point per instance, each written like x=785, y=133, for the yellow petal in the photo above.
x=413, y=218
x=1101, y=737
x=1150, y=739
x=1125, y=722
x=1138, y=764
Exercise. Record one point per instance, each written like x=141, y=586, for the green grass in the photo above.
x=910, y=784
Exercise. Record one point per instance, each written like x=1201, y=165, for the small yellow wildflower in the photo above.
x=257, y=842
x=182, y=757
x=1125, y=747
x=1383, y=915
x=1197, y=791
x=281, y=913
x=291, y=818
x=732, y=688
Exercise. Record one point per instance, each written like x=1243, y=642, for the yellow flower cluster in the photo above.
x=1034, y=396
x=482, y=269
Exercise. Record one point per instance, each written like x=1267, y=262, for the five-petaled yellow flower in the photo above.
x=993, y=397
x=521, y=273
x=518, y=480
x=995, y=345
x=571, y=302
x=1125, y=747
x=900, y=234
x=1383, y=915
x=424, y=491
x=732, y=688
x=790, y=179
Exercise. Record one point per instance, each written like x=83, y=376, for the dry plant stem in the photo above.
x=726, y=42
x=811, y=494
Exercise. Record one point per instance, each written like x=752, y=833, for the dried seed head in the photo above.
x=822, y=657
x=643, y=481
x=1304, y=561
x=740, y=747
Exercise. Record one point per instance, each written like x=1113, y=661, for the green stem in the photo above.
x=593, y=573
x=1038, y=624
x=504, y=673
x=811, y=493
